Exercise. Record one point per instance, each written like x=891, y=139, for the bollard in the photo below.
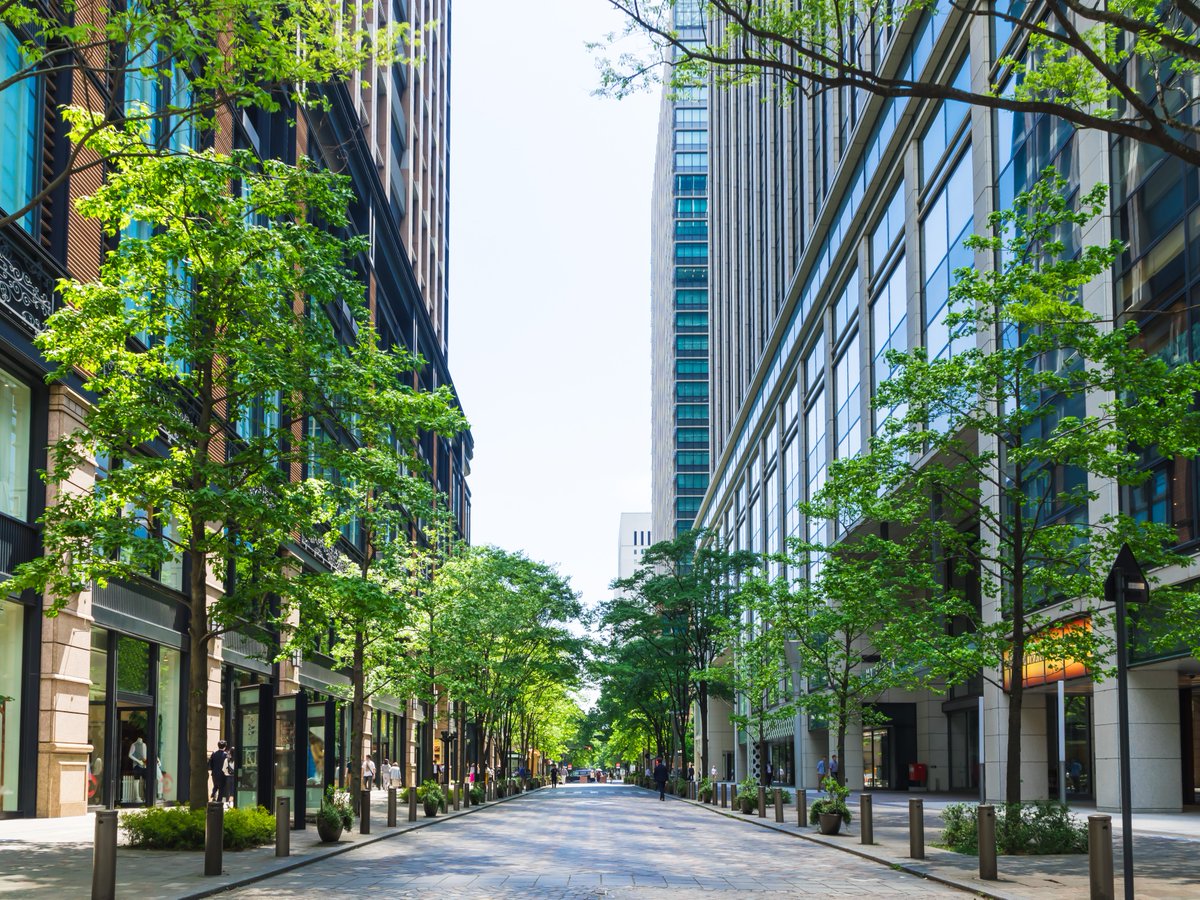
x=724, y=796
x=778, y=805
x=916, y=828
x=801, y=807
x=214, y=837
x=454, y=795
x=391, y=807
x=987, y=842
x=1100, y=857
x=866, y=827
x=762, y=801
x=104, y=856
x=283, y=834
x=364, y=813
x=412, y=804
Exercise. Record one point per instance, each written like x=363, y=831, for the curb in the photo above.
x=862, y=854
x=245, y=880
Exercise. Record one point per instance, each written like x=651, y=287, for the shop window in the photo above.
x=169, y=681
x=12, y=631
x=97, y=787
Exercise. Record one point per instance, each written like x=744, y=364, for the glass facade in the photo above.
x=14, y=446
x=20, y=131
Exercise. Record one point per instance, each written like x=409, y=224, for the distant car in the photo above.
x=582, y=774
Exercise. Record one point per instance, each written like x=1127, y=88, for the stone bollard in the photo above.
x=778, y=805
x=762, y=801
x=364, y=812
x=987, y=842
x=916, y=828
x=104, y=856
x=801, y=807
x=412, y=804
x=1100, y=857
x=214, y=837
x=391, y=807
x=283, y=834
x=866, y=826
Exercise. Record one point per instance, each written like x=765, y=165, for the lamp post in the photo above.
x=1125, y=584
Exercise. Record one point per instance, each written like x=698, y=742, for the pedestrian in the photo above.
x=227, y=782
x=216, y=768
x=770, y=774
x=368, y=772
x=554, y=775
x=660, y=778
x=691, y=773
x=385, y=774
x=833, y=767
x=821, y=768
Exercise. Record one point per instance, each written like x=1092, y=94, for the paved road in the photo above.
x=594, y=841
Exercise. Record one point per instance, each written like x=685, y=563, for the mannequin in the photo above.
x=138, y=755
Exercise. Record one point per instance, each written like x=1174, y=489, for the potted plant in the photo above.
x=476, y=795
x=334, y=816
x=747, y=795
x=705, y=790
x=829, y=812
x=431, y=797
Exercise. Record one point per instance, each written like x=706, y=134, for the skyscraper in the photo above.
x=679, y=297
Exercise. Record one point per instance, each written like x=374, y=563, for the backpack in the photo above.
x=227, y=768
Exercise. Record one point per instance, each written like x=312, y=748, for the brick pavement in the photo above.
x=594, y=841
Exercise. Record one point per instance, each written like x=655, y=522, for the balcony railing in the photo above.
x=27, y=281
x=18, y=543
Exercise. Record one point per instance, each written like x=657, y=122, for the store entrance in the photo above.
x=877, y=758
x=134, y=743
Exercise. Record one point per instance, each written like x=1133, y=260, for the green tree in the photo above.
x=198, y=56
x=196, y=358
x=1126, y=68
x=1007, y=440
x=681, y=599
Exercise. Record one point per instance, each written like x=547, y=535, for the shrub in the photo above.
x=476, y=794
x=182, y=828
x=681, y=787
x=834, y=801
x=335, y=808
x=1025, y=829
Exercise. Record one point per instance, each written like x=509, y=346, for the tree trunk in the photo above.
x=702, y=705
x=1016, y=695
x=358, y=726
x=197, y=706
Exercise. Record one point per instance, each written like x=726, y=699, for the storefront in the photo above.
x=1080, y=751
x=18, y=706
x=134, y=721
x=781, y=756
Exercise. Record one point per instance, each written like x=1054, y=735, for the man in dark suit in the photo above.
x=216, y=768
x=660, y=778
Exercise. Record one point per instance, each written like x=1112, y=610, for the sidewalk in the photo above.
x=45, y=858
x=1165, y=848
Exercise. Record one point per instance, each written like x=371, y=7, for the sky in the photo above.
x=549, y=284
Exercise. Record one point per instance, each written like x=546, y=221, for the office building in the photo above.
x=78, y=691
x=837, y=222
x=679, y=302
x=635, y=537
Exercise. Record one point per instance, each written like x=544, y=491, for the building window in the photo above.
x=691, y=230
x=691, y=411
x=691, y=299
x=691, y=252
x=690, y=160
x=691, y=139
x=691, y=390
x=691, y=343
x=687, y=507
x=20, y=131
x=14, y=446
x=686, y=367
x=691, y=207
x=943, y=130
x=12, y=634
x=847, y=398
x=946, y=224
x=889, y=327
x=691, y=118
x=685, y=437
x=691, y=275
x=889, y=232
x=691, y=184
x=688, y=459
x=691, y=482
x=691, y=320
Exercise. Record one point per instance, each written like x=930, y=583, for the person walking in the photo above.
x=554, y=775
x=691, y=773
x=368, y=772
x=833, y=768
x=770, y=774
x=397, y=781
x=230, y=770
x=385, y=774
x=216, y=769
x=660, y=779
x=821, y=769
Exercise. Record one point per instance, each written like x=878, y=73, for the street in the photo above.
x=594, y=841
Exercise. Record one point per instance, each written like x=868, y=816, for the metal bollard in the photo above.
x=364, y=813
x=412, y=804
x=214, y=837
x=1100, y=857
x=987, y=842
x=866, y=826
x=724, y=796
x=283, y=834
x=762, y=802
x=104, y=856
x=391, y=807
x=801, y=807
x=916, y=828
x=778, y=805
x=733, y=800
x=454, y=795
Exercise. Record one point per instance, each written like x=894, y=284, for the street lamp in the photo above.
x=1125, y=584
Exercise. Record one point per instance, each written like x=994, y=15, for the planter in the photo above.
x=829, y=823
x=748, y=804
x=328, y=833
x=431, y=809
